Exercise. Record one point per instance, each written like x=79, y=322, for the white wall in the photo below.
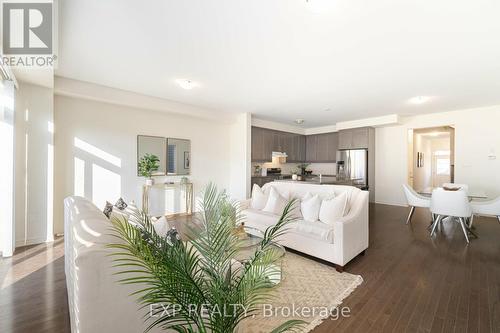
x=105, y=163
x=240, y=149
x=34, y=160
x=476, y=136
x=7, y=168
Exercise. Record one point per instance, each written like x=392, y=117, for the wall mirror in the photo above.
x=154, y=145
x=178, y=156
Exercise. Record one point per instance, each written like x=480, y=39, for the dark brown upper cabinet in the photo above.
x=318, y=148
x=356, y=138
x=265, y=141
x=321, y=148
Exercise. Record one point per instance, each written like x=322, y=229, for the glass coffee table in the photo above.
x=250, y=244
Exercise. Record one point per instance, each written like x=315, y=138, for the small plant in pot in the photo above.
x=302, y=167
x=148, y=164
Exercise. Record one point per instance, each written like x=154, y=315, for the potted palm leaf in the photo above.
x=148, y=164
x=198, y=278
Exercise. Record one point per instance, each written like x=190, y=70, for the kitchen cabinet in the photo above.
x=356, y=138
x=318, y=148
x=311, y=145
x=321, y=148
x=265, y=141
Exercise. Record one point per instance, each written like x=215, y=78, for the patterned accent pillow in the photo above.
x=121, y=204
x=108, y=209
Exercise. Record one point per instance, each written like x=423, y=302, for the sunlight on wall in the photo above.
x=106, y=186
x=6, y=190
x=87, y=147
x=7, y=168
x=79, y=177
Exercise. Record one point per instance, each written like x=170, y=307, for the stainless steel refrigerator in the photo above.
x=353, y=165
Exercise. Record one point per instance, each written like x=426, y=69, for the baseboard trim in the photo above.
x=390, y=203
x=32, y=241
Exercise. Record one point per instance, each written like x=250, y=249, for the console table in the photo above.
x=185, y=193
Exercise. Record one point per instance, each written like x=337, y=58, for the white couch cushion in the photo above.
x=333, y=209
x=259, y=197
x=315, y=230
x=161, y=226
x=275, y=203
x=310, y=206
x=259, y=219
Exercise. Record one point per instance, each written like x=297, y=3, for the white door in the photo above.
x=441, y=167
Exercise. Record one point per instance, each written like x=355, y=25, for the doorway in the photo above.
x=431, y=157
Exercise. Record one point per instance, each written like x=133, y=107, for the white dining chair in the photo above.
x=490, y=207
x=464, y=187
x=415, y=200
x=452, y=204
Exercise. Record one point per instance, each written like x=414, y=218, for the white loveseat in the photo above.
x=97, y=302
x=337, y=243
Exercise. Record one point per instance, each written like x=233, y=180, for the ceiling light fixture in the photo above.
x=186, y=84
x=299, y=121
x=419, y=99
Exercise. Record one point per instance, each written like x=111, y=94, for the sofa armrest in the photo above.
x=244, y=204
x=351, y=231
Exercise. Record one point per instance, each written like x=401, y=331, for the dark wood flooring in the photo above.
x=412, y=283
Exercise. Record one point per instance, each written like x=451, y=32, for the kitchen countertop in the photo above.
x=325, y=180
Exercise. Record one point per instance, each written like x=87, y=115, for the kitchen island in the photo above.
x=324, y=180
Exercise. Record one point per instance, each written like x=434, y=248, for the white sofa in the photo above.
x=97, y=302
x=337, y=243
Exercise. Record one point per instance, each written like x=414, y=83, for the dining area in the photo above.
x=452, y=203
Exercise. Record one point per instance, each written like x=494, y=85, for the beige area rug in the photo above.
x=307, y=284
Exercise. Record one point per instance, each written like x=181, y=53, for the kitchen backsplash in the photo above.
x=288, y=168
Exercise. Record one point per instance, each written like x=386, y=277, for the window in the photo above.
x=171, y=158
x=442, y=166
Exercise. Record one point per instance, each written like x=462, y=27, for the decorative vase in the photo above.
x=150, y=181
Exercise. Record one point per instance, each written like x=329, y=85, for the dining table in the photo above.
x=473, y=194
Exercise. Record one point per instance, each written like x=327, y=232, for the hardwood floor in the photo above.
x=411, y=282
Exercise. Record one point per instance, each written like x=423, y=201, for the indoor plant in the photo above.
x=302, y=167
x=197, y=277
x=148, y=164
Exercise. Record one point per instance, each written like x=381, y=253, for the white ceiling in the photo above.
x=280, y=61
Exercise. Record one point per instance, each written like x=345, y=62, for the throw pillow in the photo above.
x=121, y=204
x=161, y=226
x=333, y=209
x=275, y=203
x=295, y=212
x=108, y=209
x=134, y=214
x=310, y=206
x=259, y=197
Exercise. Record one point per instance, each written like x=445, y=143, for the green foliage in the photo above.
x=199, y=274
x=303, y=166
x=148, y=164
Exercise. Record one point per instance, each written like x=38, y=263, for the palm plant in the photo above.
x=199, y=278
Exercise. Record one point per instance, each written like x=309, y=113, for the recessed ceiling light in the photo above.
x=186, y=84
x=419, y=99
x=299, y=121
